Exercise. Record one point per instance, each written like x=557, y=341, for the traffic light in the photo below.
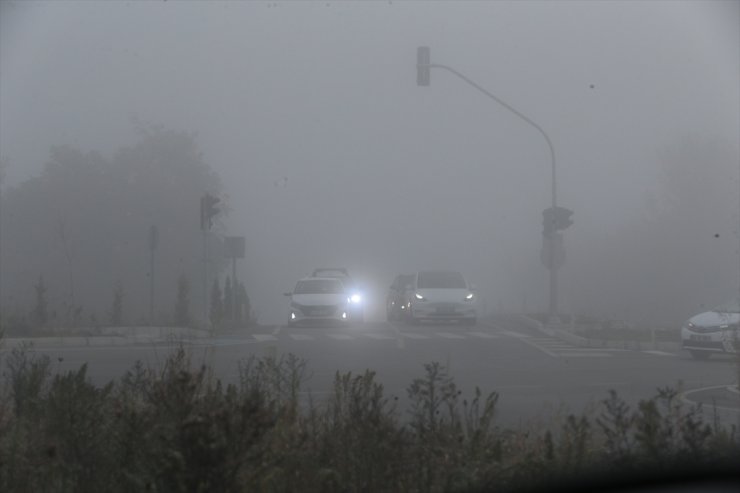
x=208, y=209
x=555, y=219
x=562, y=218
x=422, y=66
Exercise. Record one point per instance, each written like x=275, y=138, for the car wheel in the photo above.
x=701, y=355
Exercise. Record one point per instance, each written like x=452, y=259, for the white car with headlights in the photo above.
x=715, y=331
x=355, y=293
x=318, y=301
x=441, y=295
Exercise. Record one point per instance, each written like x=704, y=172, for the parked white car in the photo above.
x=715, y=331
x=317, y=300
x=441, y=295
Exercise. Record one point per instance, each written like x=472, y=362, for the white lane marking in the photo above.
x=378, y=336
x=659, y=353
x=449, y=335
x=265, y=337
x=484, y=335
x=516, y=334
x=301, y=337
x=544, y=350
x=340, y=337
x=585, y=355
x=411, y=335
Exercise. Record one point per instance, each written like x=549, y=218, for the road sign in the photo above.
x=234, y=247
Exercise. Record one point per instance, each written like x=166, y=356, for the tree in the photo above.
x=244, y=306
x=182, y=302
x=228, y=299
x=78, y=221
x=40, y=310
x=116, y=310
x=216, y=314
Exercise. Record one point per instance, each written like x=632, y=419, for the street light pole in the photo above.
x=423, y=66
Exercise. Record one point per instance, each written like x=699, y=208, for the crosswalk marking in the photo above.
x=341, y=337
x=591, y=354
x=301, y=337
x=411, y=335
x=484, y=335
x=516, y=334
x=265, y=337
x=659, y=353
x=378, y=336
x=449, y=335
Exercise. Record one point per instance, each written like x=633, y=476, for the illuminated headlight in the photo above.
x=292, y=315
x=419, y=297
x=469, y=297
x=344, y=315
x=355, y=298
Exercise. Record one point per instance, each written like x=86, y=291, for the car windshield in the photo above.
x=319, y=286
x=732, y=306
x=505, y=224
x=440, y=280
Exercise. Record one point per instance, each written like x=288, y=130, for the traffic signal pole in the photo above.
x=423, y=67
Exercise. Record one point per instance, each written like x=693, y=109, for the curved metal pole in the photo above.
x=517, y=113
x=553, y=308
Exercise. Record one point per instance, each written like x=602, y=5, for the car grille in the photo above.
x=708, y=330
x=319, y=310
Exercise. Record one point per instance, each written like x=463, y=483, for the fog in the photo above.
x=329, y=154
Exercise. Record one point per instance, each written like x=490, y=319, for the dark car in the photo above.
x=396, y=301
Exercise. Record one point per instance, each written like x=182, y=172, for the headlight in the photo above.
x=419, y=297
x=355, y=298
x=469, y=297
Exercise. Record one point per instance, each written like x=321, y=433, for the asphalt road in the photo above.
x=537, y=377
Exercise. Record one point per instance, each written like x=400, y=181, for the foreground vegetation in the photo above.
x=177, y=429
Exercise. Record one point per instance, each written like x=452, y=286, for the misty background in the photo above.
x=305, y=118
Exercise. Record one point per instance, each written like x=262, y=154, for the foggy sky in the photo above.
x=382, y=176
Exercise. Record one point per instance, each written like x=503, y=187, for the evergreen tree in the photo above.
x=182, y=302
x=245, y=306
x=217, y=307
x=228, y=299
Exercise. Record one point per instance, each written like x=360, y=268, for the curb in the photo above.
x=577, y=340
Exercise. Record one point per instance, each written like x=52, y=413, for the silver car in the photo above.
x=441, y=295
x=715, y=331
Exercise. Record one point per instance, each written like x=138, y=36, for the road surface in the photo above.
x=537, y=377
